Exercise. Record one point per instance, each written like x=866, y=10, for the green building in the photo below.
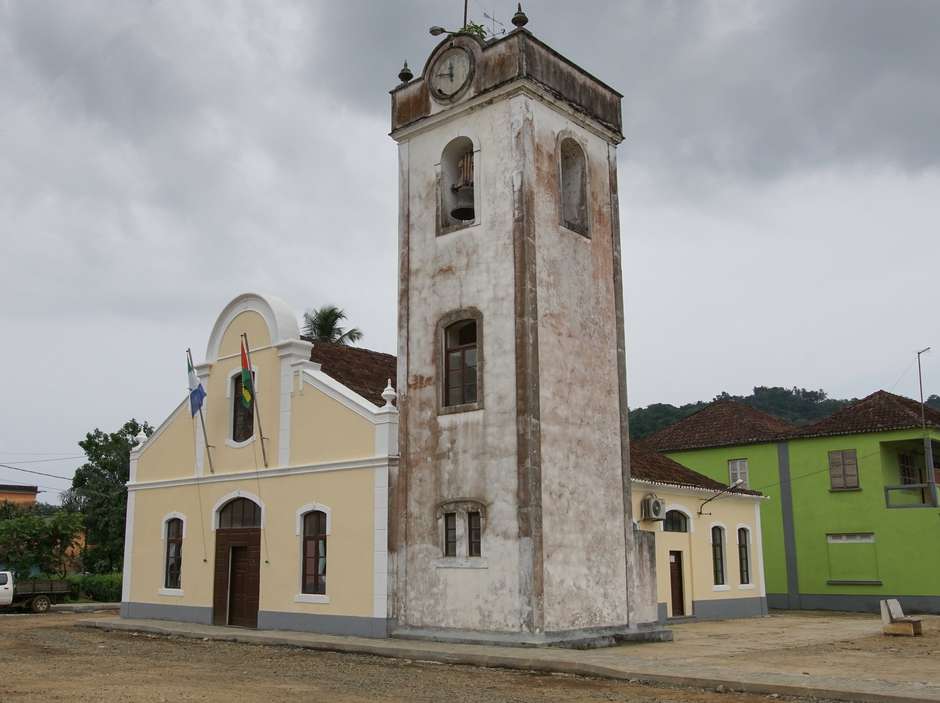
x=853, y=515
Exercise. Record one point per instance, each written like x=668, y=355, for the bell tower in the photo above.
x=510, y=512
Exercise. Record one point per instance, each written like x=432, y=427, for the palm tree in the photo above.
x=322, y=325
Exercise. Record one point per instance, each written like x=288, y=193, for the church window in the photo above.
x=174, y=553
x=243, y=421
x=460, y=363
x=240, y=513
x=450, y=534
x=314, y=554
x=574, y=209
x=675, y=521
x=474, y=531
x=458, y=195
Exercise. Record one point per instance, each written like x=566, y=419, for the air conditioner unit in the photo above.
x=653, y=508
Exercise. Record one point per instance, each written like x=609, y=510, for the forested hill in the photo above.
x=797, y=405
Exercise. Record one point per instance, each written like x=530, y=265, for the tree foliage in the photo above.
x=31, y=541
x=323, y=325
x=933, y=402
x=797, y=405
x=99, y=492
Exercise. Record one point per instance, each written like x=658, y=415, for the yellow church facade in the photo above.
x=284, y=532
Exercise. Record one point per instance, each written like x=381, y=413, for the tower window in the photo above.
x=450, y=534
x=474, y=545
x=574, y=210
x=458, y=195
x=460, y=363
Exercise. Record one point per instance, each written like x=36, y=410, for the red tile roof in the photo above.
x=649, y=465
x=362, y=370
x=879, y=412
x=720, y=424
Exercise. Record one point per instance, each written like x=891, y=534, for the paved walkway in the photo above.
x=837, y=656
x=85, y=607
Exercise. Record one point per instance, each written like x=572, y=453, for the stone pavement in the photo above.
x=836, y=656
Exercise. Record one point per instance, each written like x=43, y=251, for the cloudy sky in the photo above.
x=780, y=190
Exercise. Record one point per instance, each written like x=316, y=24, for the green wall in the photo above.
x=762, y=476
x=905, y=552
x=905, y=555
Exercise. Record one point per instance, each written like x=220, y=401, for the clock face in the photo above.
x=450, y=73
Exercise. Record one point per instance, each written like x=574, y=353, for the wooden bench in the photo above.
x=894, y=622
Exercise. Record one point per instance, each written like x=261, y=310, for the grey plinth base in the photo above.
x=592, y=638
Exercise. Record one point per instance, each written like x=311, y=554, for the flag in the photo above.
x=196, y=392
x=248, y=388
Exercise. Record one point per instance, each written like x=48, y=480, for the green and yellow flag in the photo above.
x=248, y=389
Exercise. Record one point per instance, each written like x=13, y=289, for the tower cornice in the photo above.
x=517, y=57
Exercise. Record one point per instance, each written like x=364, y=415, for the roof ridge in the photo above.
x=723, y=422
x=877, y=412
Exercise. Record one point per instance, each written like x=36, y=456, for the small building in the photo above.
x=709, y=562
x=21, y=495
x=853, y=498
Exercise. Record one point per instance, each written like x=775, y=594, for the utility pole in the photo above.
x=928, y=443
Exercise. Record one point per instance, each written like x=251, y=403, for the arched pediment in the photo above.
x=278, y=316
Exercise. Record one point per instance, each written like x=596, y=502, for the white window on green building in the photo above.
x=737, y=470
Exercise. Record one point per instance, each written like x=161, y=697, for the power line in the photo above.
x=38, y=473
x=43, y=461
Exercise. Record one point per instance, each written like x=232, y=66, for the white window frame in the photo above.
x=164, y=527
x=750, y=555
x=734, y=472
x=302, y=597
x=724, y=556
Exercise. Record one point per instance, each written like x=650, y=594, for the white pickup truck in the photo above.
x=36, y=594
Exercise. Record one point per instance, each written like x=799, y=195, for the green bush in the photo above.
x=104, y=588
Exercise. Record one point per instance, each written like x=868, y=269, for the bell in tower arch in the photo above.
x=462, y=189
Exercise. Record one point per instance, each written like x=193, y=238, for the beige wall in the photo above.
x=171, y=453
x=731, y=512
x=323, y=429
x=349, y=494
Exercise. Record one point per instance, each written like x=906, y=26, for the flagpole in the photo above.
x=254, y=400
x=202, y=420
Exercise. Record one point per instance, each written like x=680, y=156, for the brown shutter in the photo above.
x=850, y=468
x=836, y=475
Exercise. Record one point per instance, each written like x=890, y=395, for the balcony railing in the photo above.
x=912, y=495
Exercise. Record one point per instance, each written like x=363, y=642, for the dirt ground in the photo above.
x=47, y=658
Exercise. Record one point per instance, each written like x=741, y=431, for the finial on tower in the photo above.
x=520, y=19
x=405, y=74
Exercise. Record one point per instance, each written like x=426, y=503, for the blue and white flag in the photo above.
x=196, y=392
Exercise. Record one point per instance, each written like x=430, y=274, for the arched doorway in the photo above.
x=237, y=564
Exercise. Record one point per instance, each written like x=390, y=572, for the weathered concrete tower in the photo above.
x=510, y=511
